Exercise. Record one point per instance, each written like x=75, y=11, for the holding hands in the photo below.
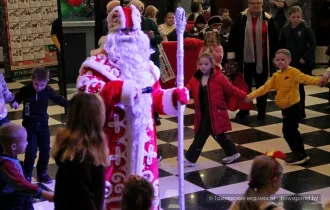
x=247, y=100
x=14, y=105
x=323, y=81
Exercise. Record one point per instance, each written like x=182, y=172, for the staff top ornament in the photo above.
x=180, y=20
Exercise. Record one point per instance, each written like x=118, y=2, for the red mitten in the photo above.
x=181, y=95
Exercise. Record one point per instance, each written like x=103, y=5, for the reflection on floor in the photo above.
x=210, y=178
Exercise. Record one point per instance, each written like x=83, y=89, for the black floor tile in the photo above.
x=171, y=135
x=304, y=181
x=321, y=122
x=252, y=121
x=324, y=95
x=218, y=155
x=163, y=173
x=215, y=177
x=202, y=200
x=271, y=106
x=317, y=138
x=319, y=108
x=250, y=136
x=188, y=119
x=168, y=150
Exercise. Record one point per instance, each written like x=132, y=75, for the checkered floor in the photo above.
x=209, y=177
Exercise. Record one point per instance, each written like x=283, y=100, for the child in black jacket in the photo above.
x=299, y=39
x=35, y=98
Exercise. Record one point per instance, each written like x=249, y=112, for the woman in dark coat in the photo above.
x=252, y=43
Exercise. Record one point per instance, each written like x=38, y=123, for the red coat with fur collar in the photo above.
x=219, y=90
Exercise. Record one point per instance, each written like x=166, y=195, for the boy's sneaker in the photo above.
x=230, y=159
x=44, y=178
x=294, y=160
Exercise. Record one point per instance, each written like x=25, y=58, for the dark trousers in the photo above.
x=302, y=98
x=260, y=79
x=291, y=117
x=15, y=201
x=204, y=131
x=38, y=137
x=3, y=121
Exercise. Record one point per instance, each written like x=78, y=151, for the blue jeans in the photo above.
x=38, y=137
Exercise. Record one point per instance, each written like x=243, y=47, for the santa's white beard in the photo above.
x=131, y=55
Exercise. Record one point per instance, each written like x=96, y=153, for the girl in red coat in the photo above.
x=210, y=88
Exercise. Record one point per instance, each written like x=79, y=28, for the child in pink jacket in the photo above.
x=212, y=46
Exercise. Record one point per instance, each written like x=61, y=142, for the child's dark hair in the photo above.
x=295, y=9
x=194, y=7
x=40, y=73
x=221, y=11
x=227, y=22
x=264, y=169
x=284, y=51
x=138, y=194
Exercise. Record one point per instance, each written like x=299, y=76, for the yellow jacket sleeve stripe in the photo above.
x=306, y=79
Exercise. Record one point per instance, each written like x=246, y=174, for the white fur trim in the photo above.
x=168, y=106
x=99, y=67
x=231, y=55
x=128, y=93
x=154, y=70
x=122, y=19
x=136, y=18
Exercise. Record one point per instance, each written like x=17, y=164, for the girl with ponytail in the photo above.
x=265, y=180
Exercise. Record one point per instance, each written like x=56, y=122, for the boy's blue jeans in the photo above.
x=38, y=137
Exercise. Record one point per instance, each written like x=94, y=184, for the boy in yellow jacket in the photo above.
x=286, y=83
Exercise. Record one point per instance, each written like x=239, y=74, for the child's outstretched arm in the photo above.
x=231, y=90
x=58, y=99
x=17, y=181
x=268, y=86
x=306, y=79
x=19, y=97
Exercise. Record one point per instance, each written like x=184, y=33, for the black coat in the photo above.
x=301, y=43
x=237, y=37
x=79, y=185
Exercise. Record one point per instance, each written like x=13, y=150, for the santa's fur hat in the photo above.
x=121, y=18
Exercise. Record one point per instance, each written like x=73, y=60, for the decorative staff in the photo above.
x=180, y=24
